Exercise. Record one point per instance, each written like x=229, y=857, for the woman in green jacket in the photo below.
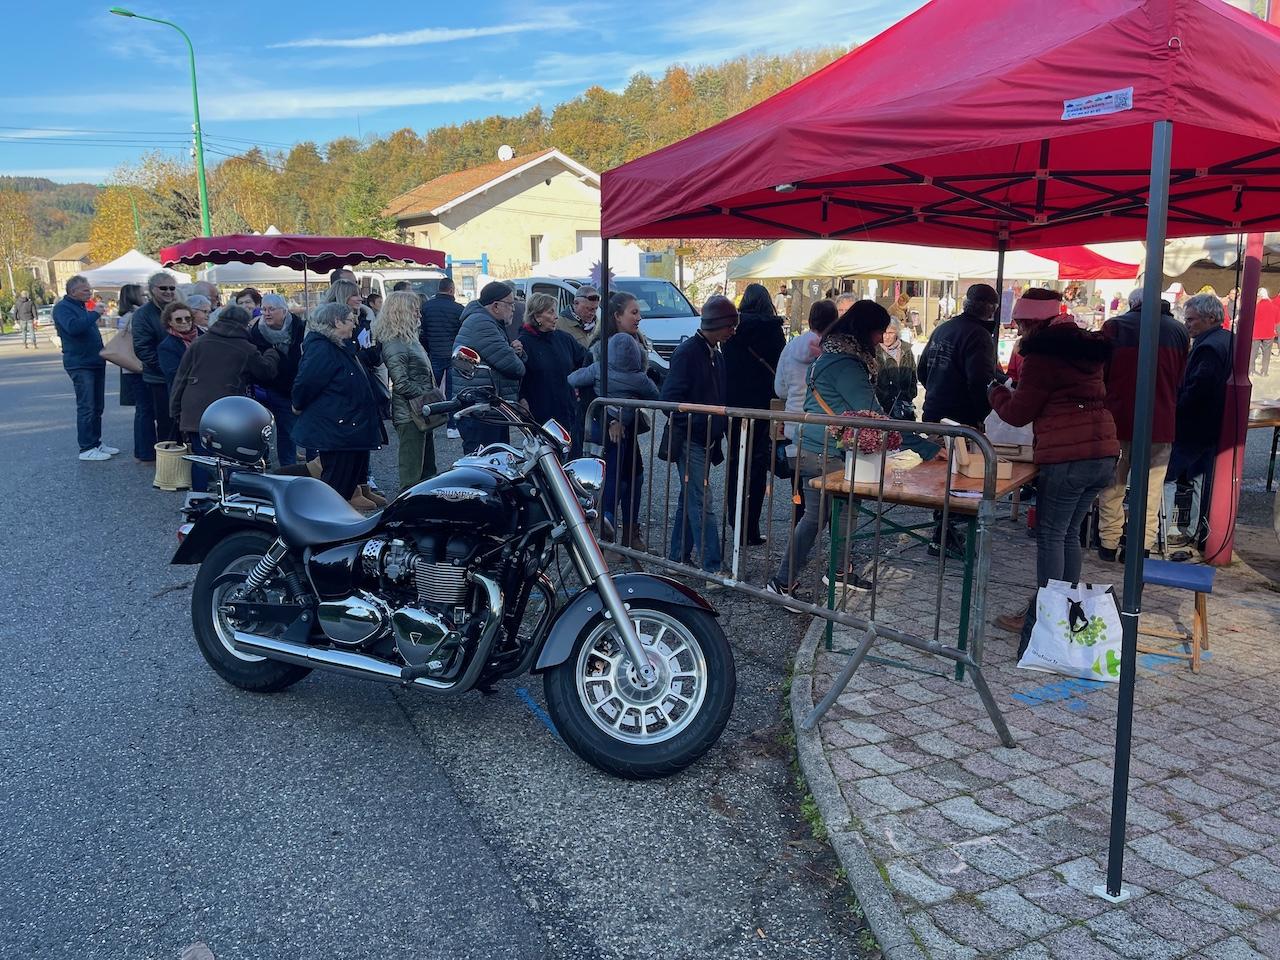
x=412, y=385
x=841, y=380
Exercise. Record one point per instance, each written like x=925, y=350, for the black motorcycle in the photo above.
x=446, y=590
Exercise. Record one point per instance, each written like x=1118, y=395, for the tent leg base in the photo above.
x=1100, y=891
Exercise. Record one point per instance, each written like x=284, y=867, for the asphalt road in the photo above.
x=145, y=805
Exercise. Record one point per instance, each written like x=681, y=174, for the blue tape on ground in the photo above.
x=527, y=698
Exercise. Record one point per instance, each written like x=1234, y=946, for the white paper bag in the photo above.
x=998, y=431
x=1076, y=633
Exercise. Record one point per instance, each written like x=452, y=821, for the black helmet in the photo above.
x=237, y=428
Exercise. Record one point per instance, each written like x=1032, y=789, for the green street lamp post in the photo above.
x=195, y=107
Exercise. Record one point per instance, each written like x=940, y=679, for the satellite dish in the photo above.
x=505, y=152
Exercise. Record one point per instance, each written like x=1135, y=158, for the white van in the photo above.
x=425, y=283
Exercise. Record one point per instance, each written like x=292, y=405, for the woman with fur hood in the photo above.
x=1061, y=391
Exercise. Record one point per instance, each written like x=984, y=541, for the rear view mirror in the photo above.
x=465, y=362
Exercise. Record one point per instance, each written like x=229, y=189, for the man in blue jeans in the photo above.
x=697, y=375
x=81, y=349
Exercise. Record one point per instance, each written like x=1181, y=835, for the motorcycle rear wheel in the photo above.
x=608, y=720
x=238, y=553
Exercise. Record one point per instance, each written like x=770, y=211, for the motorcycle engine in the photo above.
x=427, y=583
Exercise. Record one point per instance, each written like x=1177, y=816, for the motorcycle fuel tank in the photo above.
x=464, y=497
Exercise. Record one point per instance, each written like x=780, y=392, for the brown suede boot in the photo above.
x=378, y=499
x=361, y=502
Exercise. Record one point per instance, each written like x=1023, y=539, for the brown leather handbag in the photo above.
x=119, y=349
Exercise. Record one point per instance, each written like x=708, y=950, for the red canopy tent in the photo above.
x=321, y=254
x=1080, y=263
x=1037, y=122
x=1044, y=138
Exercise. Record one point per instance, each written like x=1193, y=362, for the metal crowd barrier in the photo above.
x=655, y=487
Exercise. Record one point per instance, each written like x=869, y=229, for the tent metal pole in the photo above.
x=1135, y=532
x=1000, y=252
x=606, y=321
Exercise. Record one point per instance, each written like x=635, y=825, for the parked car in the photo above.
x=44, y=317
x=425, y=283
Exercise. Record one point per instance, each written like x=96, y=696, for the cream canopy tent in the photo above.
x=624, y=261
x=784, y=259
x=132, y=267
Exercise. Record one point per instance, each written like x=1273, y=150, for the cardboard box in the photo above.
x=970, y=464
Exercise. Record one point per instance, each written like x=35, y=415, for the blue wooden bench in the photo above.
x=1197, y=578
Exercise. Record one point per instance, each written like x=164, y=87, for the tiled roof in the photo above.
x=450, y=186
x=77, y=251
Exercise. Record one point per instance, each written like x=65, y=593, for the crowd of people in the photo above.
x=334, y=379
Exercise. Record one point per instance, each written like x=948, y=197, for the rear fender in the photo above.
x=210, y=530
x=587, y=604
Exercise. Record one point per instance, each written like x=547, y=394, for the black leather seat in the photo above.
x=309, y=512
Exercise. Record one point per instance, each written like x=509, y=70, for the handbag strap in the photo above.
x=767, y=365
x=817, y=394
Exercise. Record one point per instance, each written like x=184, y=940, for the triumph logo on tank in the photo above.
x=1098, y=104
x=457, y=493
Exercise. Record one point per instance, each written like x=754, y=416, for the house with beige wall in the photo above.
x=66, y=263
x=516, y=212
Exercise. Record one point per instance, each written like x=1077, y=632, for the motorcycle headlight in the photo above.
x=587, y=476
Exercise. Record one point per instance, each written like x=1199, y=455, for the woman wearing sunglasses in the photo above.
x=179, y=321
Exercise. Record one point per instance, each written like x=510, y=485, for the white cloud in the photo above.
x=35, y=133
x=416, y=38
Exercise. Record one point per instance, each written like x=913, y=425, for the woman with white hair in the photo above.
x=200, y=306
x=285, y=332
x=412, y=385
x=337, y=414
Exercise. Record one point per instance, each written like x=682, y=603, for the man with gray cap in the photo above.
x=484, y=330
x=580, y=319
x=697, y=375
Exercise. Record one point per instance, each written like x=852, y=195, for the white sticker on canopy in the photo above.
x=1099, y=104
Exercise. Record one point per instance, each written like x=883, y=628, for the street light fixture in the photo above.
x=195, y=107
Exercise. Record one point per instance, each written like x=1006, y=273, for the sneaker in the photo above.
x=1178, y=540
x=109, y=451
x=854, y=582
x=371, y=485
x=94, y=453
x=453, y=434
x=775, y=587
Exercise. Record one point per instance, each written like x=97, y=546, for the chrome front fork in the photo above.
x=595, y=568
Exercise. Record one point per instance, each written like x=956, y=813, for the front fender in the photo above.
x=210, y=530
x=587, y=604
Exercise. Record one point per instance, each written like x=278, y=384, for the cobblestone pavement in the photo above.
x=994, y=852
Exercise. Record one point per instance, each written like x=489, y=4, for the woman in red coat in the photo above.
x=1061, y=391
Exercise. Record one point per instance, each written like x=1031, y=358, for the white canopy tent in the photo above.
x=132, y=267
x=785, y=259
x=624, y=261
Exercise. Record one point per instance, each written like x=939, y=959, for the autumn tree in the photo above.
x=17, y=234
x=111, y=233
x=361, y=206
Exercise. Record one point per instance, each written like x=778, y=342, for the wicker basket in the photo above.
x=172, y=472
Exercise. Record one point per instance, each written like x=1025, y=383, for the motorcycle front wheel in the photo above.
x=609, y=720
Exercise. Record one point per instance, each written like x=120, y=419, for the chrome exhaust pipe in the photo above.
x=371, y=668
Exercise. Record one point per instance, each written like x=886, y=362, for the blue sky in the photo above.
x=86, y=91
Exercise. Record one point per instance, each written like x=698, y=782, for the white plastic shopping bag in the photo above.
x=1001, y=433
x=1076, y=633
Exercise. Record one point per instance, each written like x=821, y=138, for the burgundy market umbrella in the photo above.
x=321, y=254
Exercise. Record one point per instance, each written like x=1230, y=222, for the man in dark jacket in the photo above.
x=24, y=315
x=1201, y=399
x=284, y=332
x=957, y=366
x=148, y=331
x=441, y=318
x=1122, y=386
x=222, y=363
x=751, y=361
x=697, y=375
x=81, y=347
x=484, y=330
x=959, y=362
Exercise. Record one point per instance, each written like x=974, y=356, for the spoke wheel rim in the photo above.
x=221, y=626
x=608, y=687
